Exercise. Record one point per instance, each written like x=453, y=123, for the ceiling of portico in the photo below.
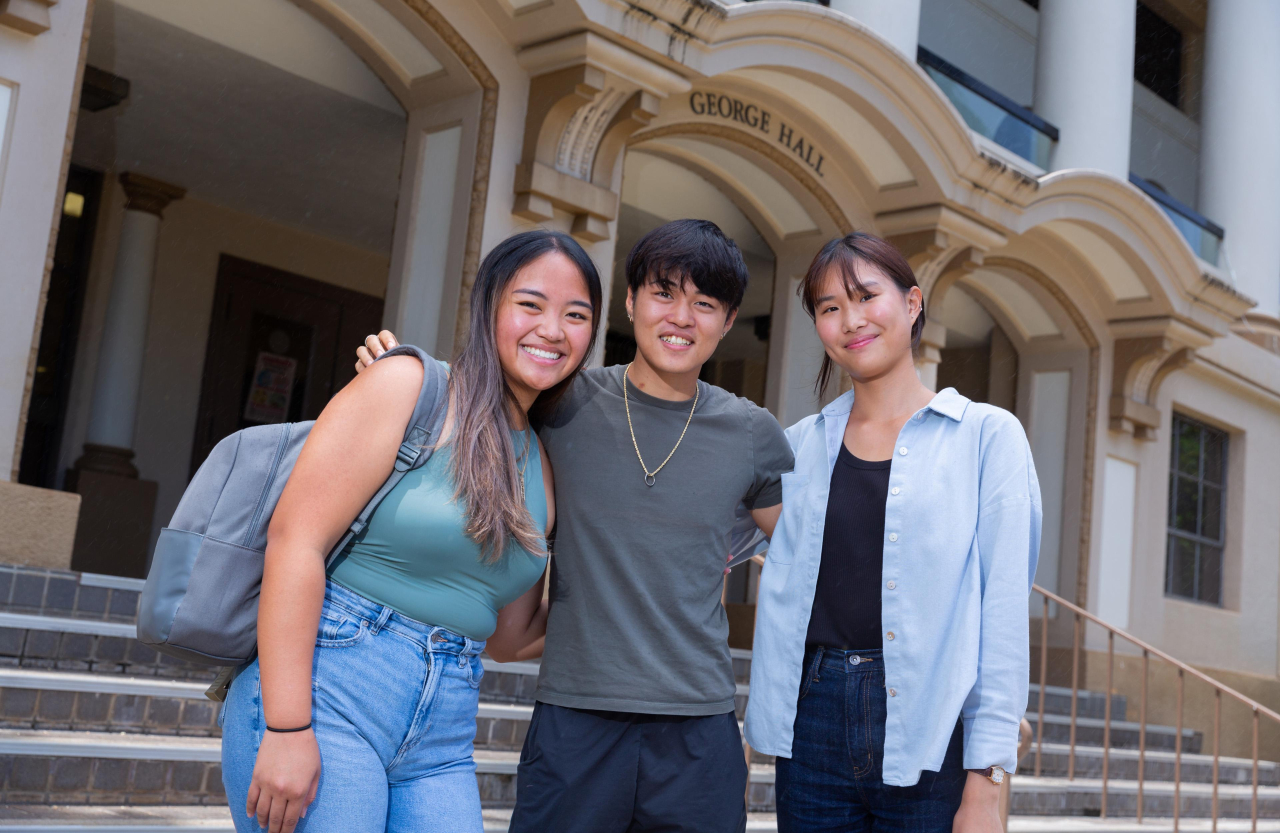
x=1019, y=305
x=1116, y=272
x=671, y=191
x=307, y=135
x=779, y=208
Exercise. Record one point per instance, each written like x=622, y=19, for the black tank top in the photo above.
x=846, y=604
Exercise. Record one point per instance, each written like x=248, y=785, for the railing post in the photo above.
x=1044, y=681
x=1075, y=696
x=1106, y=720
x=1253, y=813
x=1142, y=730
x=1177, y=759
x=1217, y=730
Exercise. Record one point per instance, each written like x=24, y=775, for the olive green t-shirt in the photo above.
x=636, y=623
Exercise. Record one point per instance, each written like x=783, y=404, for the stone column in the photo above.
x=1239, y=142
x=1084, y=81
x=116, y=508
x=897, y=21
x=109, y=441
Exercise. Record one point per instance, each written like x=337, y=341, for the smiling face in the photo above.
x=677, y=327
x=543, y=325
x=867, y=332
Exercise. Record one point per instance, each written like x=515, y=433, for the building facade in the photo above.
x=204, y=207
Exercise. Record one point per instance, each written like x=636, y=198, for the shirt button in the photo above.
x=893, y=692
x=895, y=490
x=889, y=636
x=891, y=585
x=893, y=536
x=903, y=451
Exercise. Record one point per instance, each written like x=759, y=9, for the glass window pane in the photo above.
x=1215, y=448
x=1211, y=512
x=1210, y=585
x=1186, y=502
x=1188, y=441
x=1182, y=567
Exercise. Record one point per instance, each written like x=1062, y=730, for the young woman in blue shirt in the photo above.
x=890, y=665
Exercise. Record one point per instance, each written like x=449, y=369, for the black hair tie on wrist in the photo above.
x=286, y=731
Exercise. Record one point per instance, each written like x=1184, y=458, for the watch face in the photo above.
x=997, y=775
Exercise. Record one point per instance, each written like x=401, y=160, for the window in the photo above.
x=1157, y=55
x=1197, y=500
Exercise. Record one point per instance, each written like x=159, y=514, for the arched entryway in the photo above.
x=257, y=185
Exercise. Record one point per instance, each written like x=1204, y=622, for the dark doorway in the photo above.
x=278, y=348
x=55, y=355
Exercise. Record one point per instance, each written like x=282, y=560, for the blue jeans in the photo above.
x=832, y=781
x=394, y=711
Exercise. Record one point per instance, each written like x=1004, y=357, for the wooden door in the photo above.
x=280, y=345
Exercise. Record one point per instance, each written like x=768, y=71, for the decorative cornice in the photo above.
x=28, y=16
x=586, y=97
x=147, y=194
x=1146, y=351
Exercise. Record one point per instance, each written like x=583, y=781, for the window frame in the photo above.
x=1200, y=540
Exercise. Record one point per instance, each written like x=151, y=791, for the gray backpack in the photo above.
x=200, y=602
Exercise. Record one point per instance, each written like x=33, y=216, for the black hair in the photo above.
x=689, y=250
x=844, y=254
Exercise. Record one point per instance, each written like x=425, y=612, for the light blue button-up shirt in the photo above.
x=962, y=534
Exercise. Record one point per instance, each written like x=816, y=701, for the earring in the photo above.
x=722, y=335
x=631, y=318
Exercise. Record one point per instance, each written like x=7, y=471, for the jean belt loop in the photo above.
x=817, y=663
x=383, y=616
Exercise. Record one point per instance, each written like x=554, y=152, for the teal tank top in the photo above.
x=415, y=557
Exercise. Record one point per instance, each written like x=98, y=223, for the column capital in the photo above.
x=147, y=194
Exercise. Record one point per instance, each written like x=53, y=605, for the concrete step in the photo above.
x=43, y=591
x=1081, y=824
x=1159, y=766
x=130, y=819
x=1083, y=797
x=60, y=767
x=1057, y=700
x=31, y=640
x=39, y=699
x=1124, y=734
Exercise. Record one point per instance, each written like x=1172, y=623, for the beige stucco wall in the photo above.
x=40, y=71
x=37, y=526
x=193, y=235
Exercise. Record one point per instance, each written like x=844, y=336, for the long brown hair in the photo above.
x=845, y=253
x=486, y=478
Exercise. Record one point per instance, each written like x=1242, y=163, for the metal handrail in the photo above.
x=1081, y=616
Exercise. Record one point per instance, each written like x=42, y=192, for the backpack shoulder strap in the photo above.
x=419, y=436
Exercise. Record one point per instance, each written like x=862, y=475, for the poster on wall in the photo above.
x=272, y=388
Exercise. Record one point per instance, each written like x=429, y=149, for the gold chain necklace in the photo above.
x=651, y=477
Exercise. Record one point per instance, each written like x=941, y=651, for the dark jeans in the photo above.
x=832, y=781
x=617, y=772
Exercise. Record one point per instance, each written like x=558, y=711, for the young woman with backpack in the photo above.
x=890, y=664
x=359, y=712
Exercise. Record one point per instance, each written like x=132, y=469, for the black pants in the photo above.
x=618, y=772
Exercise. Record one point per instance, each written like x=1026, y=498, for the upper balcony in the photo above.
x=1202, y=234
x=990, y=113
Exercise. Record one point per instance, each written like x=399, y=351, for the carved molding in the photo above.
x=1145, y=353
x=150, y=195
x=586, y=97
x=29, y=16
x=940, y=244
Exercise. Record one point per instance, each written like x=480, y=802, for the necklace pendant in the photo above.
x=649, y=480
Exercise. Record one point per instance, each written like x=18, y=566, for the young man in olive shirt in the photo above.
x=634, y=727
